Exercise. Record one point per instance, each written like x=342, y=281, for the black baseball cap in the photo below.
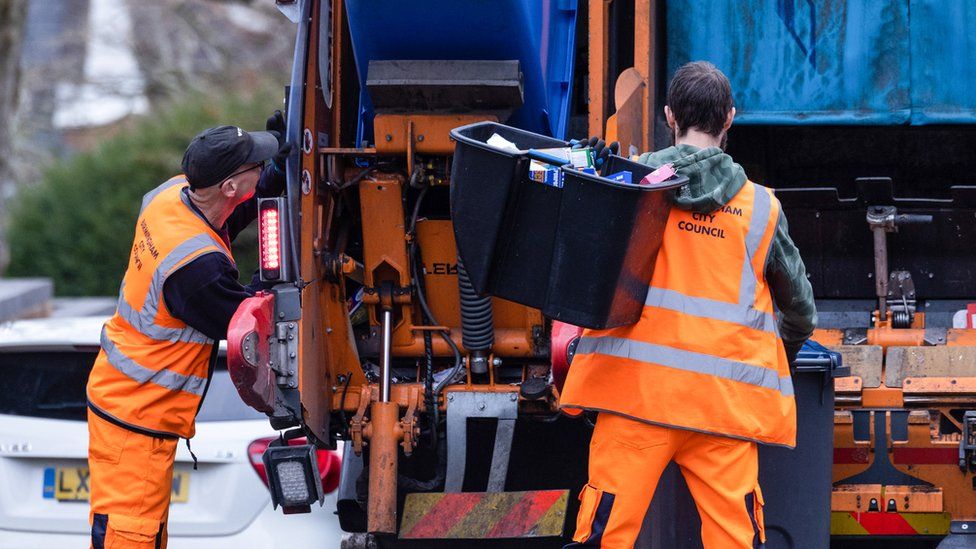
x=214, y=154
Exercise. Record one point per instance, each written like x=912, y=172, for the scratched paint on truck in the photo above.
x=802, y=61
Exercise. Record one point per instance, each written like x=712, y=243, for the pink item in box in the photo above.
x=659, y=175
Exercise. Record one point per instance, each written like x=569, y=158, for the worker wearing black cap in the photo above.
x=176, y=300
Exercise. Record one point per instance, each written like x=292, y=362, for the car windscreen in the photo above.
x=51, y=384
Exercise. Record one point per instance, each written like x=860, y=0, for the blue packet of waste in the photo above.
x=622, y=177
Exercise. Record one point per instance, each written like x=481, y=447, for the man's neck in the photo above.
x=216, y=211
x=698, y=139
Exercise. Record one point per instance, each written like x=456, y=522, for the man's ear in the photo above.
x=228, y=188
x=669, y=116
x=729, y=119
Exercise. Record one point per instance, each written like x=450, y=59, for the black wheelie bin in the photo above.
x=796, y=483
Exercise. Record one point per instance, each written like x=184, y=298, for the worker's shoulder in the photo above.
x=770, y=191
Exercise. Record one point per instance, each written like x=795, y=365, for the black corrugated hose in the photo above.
x=477, y=323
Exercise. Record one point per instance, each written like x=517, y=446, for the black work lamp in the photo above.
x=293, y=476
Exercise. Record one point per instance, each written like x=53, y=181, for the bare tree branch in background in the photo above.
x=52, y=55
x=184, y=45
x=13, y=16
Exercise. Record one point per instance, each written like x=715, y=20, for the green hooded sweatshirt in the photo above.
x=713, y=180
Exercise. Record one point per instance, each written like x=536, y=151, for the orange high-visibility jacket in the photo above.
x=706, y=353
x=152, y=371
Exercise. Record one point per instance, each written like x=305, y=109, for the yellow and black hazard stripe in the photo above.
x=479, y=515
x=881, y=523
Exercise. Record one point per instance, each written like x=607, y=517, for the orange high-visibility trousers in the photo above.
x=131, y=483
x=627, y=458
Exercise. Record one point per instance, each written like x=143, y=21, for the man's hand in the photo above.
x=276, y=125
x=601, y=151
x=281, y=156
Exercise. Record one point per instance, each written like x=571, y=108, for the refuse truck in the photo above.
x=416, y=315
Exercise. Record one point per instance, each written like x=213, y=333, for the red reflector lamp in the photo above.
x=271, y=239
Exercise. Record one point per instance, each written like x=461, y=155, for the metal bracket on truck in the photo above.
x=464, y=405
x=262, y=343
x=967, y=442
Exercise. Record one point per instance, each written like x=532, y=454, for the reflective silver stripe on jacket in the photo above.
x=688, y=361
x=735, y=313
x=164, y=378
x=744, y=312
x=148, y=197
x=144, y=320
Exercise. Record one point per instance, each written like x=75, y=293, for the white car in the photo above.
x=44, y=367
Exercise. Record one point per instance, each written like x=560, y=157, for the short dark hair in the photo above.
x=700, y=96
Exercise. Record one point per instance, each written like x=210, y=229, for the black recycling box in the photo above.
x=582, y=253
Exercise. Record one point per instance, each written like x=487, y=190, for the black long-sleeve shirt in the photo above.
x=206, y=292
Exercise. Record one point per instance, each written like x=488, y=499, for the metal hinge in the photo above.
x=967, y=444
x=284, y=353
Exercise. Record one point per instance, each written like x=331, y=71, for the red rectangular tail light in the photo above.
x=272, y=239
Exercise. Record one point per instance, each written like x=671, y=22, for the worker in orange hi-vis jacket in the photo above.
x=704, y=374
x=177, y=298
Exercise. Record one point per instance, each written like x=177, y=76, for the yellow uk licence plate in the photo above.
x=74, y=484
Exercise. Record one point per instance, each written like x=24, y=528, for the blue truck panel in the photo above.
x=943, y=61
x=539, y=33
x=835, y=62
x=800, y=61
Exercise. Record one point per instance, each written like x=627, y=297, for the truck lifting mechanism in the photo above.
x=375, y=333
